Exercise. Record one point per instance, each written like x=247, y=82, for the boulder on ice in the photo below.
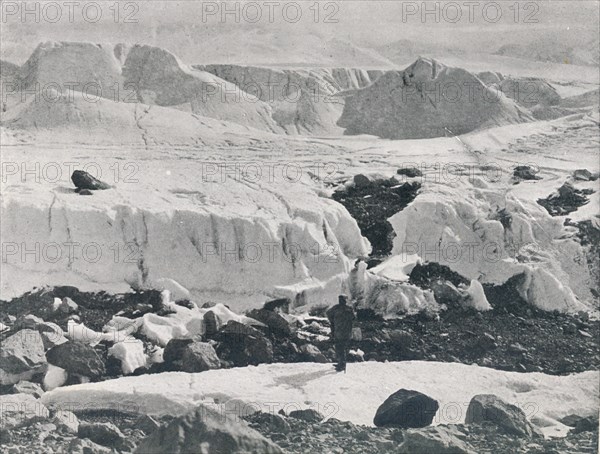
x=406, y=408
x=490, y=408
x=426, y=100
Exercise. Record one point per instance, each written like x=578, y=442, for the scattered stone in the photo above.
x=77, y=358
x=211, y=325
x=582, y=175
x=207, y=431
x=21, y=409
x=517, y=349
x=406, y=409
x=86, y=446
x=526, y=173
x=276, y=323
x=410, y=172
x=68, y=306
x=26, y=387
x=488, y=407
x=271, y=422
x=173, y=353
x=103, y=433
x=83, y=180
x=243, y=345
x=430, y=440
x=21, y=356
x=312, y=354
x=147, y=424
x=279, y=304
x=308, y=415
x=66, y=422
x=567, y=200
x=199, y=357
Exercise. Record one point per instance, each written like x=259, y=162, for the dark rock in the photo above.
x=312, y=354
x=445, y=292
x=243, y=345
x=103, y=433
x=410, y=172
x=565, y=201
x=406, y=409
x=308, y=415
x=199, y=357
x=276, y=323
x=211, y=324
x=430, y=440
x=280, y=304
x=272, y=422
x=582, y=175
x=83, y=180
x=588, y=424
x=21, y=355
x=362, y=181
x=173, y=353
x=26, y=387
x=208, y=431
x=490, y=408
x=526, y=173
x=68, y=306
x=77, y=358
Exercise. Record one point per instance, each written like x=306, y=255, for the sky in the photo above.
x=475, y=25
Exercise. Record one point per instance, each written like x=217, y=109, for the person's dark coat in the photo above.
x=341, y=318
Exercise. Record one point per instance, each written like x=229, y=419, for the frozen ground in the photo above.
x=353, y=396
x=248, y=216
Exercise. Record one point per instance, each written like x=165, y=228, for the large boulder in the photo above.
x=83, y=180
x=200, y=357
x=308, y=415
x=21, y=356
x=243, y=345
x=406, y=409
x=490, y=408
x=20, y=409
x=77, y=358
x=207, y=431
x=313, y=354
x=430, y=440
x=103, y=433
x=276, y=323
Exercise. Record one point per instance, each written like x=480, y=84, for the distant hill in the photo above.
x=555, y=51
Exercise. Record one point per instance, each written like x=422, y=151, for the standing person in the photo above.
x=341, y=317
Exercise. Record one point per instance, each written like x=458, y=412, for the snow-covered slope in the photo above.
x=304, y=101
x=353, y=396
x=159, y=77
x=425, y=100
x=72, y=118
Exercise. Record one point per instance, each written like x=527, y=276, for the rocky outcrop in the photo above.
x=426, y=100
x=205, y=430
